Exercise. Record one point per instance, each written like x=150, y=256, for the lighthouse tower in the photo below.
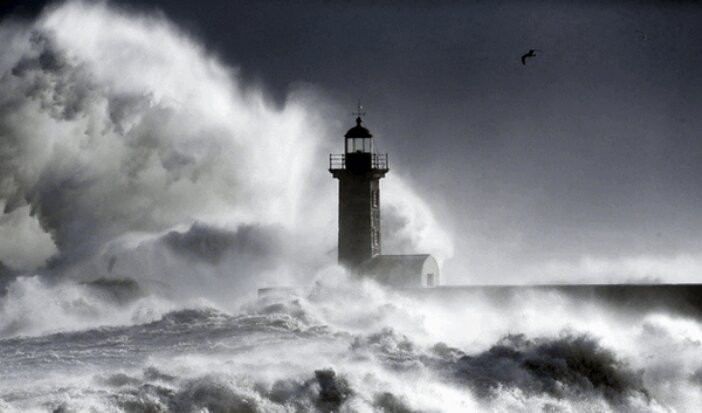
x=359, y=170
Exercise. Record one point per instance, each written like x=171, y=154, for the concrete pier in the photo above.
x=684, y=299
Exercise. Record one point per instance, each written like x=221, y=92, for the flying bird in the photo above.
x=530, y=54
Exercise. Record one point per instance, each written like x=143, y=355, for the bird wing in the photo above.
x=524, y=58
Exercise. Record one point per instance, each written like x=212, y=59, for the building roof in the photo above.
x=358, y=131
x=398, y=270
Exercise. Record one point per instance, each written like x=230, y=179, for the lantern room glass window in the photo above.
x=359, y=145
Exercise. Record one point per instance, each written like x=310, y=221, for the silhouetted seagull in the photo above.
x=530, y=54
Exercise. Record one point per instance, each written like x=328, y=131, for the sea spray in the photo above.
x=304, y=352
x=139, y=133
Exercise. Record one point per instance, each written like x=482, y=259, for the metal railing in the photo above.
x=378, y=161
x=337, y=161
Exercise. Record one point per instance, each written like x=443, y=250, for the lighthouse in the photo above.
x=359, y=171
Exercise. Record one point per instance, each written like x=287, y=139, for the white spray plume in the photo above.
x=114, y=124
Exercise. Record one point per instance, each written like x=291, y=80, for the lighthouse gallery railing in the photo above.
x=338, y=161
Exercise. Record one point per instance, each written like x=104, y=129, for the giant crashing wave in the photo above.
x=113, y=147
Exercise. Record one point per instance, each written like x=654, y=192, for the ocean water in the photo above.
x=338, y=345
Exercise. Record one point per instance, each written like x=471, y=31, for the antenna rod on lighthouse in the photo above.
x=359, y=112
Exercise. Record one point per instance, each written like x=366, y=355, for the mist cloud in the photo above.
x=116, y=126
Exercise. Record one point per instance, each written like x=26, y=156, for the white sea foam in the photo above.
x=31, y=307
x=370, y=348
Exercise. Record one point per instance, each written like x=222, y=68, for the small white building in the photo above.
x=402, y=271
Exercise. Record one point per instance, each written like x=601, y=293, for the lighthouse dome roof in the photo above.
x=358, y=131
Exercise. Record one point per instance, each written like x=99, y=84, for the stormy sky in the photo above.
x=585, y=164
